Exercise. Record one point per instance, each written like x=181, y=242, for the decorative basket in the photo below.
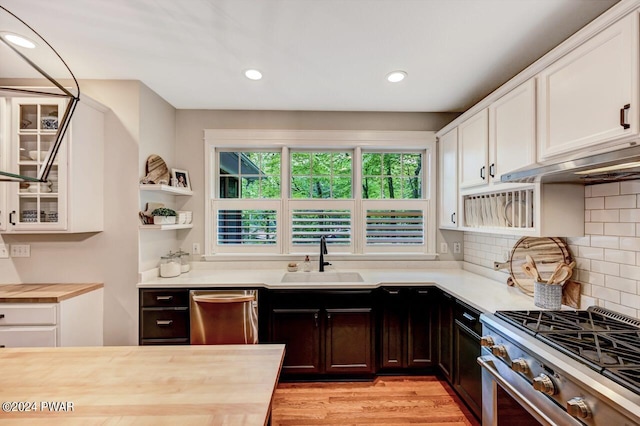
x=547, y=296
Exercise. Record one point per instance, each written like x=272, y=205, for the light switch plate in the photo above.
x=195, y=248
x=456, y=247
x=444, y=248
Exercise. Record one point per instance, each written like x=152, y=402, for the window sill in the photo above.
x=226, y=257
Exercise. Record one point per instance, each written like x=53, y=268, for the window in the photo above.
x=249, y=174
x=391, y=175
x=365, y=196
x=321, y=175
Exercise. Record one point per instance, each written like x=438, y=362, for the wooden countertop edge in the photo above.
x=267, y=420
x=50, y=293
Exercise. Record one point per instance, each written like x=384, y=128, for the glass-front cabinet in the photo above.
x=72, y=198
x=39, y=206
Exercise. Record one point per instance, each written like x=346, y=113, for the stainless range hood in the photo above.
x=616, y=166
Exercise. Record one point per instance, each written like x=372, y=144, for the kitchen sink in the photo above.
x=322, y=277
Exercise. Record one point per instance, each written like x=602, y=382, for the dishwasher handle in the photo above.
x=223, y=298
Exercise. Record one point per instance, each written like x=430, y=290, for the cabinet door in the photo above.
x=583, y=94
x=37, y=206
x=393, y=324
x=473, y=150
x=28, y=337
x=448, y=176
x=512, y=131
x=445, y=335
x=299, y=330
x=420, y=328
x=348, y=341
x=165, y=323
x=468, y=373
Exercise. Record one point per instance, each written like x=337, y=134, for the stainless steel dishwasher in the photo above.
x=221, y=317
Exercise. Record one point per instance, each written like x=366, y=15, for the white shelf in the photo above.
x=167, y=227
x=166, y=188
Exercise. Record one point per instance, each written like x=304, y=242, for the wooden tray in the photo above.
x=545, y=251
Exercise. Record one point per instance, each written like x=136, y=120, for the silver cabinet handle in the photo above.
x=164, y=298
x=164, y=323
x=469, y=317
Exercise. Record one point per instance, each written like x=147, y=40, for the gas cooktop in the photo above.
x=606, y=341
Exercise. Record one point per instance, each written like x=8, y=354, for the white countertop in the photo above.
x=483, y=293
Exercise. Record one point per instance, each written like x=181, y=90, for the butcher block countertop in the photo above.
x=43, y=293
x=142, y=385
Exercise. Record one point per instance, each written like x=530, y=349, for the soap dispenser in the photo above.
x=306, y=266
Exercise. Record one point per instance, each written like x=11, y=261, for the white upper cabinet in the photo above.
x=72, y=200
x=448, y=178
x=512, y=131
x=473, y=146
x=589, y=97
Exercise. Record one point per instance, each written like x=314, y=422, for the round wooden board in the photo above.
x=157, y=170
x=545, y=251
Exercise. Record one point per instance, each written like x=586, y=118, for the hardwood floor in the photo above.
x=398, y=400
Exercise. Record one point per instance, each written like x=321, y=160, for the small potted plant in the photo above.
x=164, y=216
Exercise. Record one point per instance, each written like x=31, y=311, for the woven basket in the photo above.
x=547, y=296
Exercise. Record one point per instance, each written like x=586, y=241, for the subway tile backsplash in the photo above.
x=607, y=256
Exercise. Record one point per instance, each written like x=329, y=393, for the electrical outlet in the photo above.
x=444, y=248
x=457, y=247
x=195, y=248
x=4, y=251
x=20, y=250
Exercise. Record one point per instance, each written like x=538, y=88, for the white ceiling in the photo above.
x=315, y=54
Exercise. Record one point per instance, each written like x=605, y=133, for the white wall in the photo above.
x=111, y=256
x=607, y=256
x=157, y=136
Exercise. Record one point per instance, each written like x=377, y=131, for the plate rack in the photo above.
x=512, y=209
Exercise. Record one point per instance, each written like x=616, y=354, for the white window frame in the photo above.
x=358, y=141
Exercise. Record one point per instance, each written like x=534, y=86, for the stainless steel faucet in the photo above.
x=323, y=251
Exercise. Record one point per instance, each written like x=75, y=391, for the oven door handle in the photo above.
x=486, y=362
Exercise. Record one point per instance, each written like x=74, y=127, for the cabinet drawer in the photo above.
x=468, y=316
x=157, y=298
x=165, y=323
x=28, y=314
x=25, y=337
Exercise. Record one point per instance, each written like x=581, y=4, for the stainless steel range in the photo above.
x=562, y=367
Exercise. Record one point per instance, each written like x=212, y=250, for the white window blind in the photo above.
x=247, y=227
x=394, y=227
x=309, y=225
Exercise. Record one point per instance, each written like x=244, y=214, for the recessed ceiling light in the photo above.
x=253, y=74
x=396, y=76
x=19, y=40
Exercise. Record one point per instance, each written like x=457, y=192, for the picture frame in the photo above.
x=180, y=179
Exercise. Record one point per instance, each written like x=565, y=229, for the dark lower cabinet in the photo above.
x=325, y=332
x=348, y=341
x=467, y=377
x=445, y=335
x=164, y=317
x=299, y=330
x=406, y=331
